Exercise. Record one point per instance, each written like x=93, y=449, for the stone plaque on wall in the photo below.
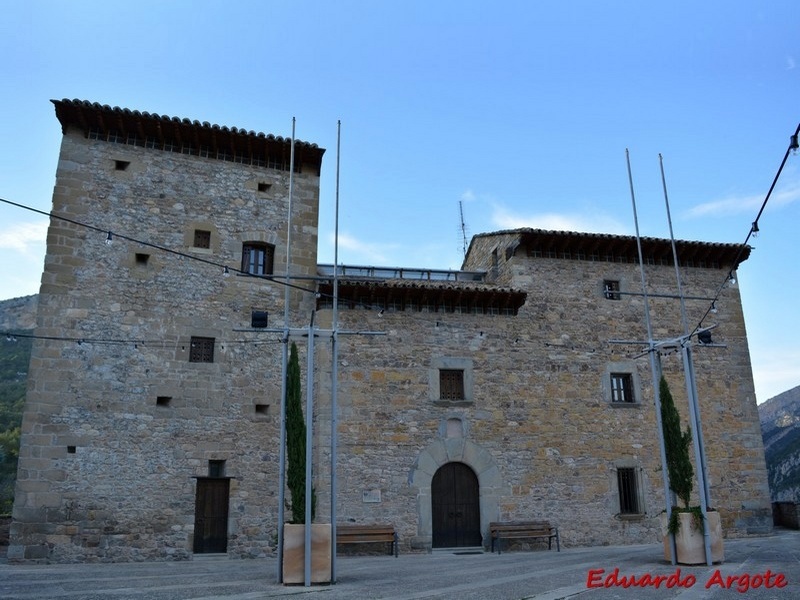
x=371, y=496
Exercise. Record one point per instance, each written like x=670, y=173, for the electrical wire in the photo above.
x=114, y=235
x=793, y=146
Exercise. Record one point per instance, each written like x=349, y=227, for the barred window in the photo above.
x=201, y=350
x=622, y=388
x=258, y=258
x=202, y=238
x=451, y=384
x=628, y=487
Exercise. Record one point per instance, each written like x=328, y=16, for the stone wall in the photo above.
x=540, y=433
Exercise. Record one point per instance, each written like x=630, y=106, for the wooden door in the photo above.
x=456, y=507
x=211, y=515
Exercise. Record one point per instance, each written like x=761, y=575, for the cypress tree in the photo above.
x=676, y=443
x=296, y=442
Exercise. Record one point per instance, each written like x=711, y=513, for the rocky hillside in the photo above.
x=780, y=429
x=17, y=315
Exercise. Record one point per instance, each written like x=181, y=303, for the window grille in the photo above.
x=628, y=491
x=202, y=239
x=622, y=387
x=451, y=384
x=201, y=350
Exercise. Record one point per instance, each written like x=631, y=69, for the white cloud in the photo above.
x=739, y=204
x=503, y=218
x=25, y=238
x=791, y=64
x=357, y=252
x=468, y=196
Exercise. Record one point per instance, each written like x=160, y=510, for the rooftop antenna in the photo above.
x=463, y=228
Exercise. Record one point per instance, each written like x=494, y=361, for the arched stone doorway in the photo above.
x=455, y=450
x=455, y=511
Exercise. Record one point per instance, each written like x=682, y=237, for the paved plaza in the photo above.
x=764, y=567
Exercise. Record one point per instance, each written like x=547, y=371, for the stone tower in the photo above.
x=150, y=408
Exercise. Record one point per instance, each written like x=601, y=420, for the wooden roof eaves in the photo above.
x=723, y=253
x=79, y=112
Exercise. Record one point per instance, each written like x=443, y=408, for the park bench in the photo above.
x=367, y=534
x=523, y=530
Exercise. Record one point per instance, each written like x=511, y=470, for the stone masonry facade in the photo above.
x=126, y=419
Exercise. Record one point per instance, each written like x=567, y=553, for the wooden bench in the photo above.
x=523, y=530
x=367, y=534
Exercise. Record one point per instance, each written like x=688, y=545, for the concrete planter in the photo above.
x=294, y=553
x=689, y=542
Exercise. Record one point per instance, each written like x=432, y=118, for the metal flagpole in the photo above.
x=335, y=360
x=655, y=367
x=309, y=447
x=285, y=362
x=691, y=388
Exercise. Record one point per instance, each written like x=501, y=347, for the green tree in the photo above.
x=676, y=443
x=296, y=442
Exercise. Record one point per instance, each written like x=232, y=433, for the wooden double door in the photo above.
x=456, y=514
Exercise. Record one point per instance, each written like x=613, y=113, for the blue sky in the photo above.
x=521, y=111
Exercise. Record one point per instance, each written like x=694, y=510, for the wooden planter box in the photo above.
x=294, y=553
x=689, y=542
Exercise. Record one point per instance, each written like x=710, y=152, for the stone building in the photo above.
x=151, y=428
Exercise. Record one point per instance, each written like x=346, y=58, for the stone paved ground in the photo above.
x=441, y=575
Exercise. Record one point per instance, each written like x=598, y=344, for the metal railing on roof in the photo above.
x=401, y=273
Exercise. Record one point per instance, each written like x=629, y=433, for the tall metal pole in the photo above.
x=309, y=448
x=335, y=360
x=691, y=387
x=655, y=367
x=284, y=365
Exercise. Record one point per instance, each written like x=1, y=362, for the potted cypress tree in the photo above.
x=294, y=532
x=686, y=522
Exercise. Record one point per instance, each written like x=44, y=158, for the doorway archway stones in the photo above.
x=479, y=459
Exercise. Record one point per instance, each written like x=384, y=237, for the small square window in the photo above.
x=262, y=410
x=142, y=259
x=611, y=289
x=202, y=238
x=263, y=186
x=216, y=468
x=163, y=401
x=121, y=165
x=71, y=449
x=622, y=388
x=451, y=384
x=201, y=350
x=628, y=488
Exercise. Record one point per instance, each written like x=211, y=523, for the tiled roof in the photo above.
x=140, y=128
x=624, y=246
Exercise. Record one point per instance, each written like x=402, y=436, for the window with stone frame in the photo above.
x=258, y=258
x=201, y=349
x=630, y=501
x=451, y=384
x=622, y=388
x=451, y=381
